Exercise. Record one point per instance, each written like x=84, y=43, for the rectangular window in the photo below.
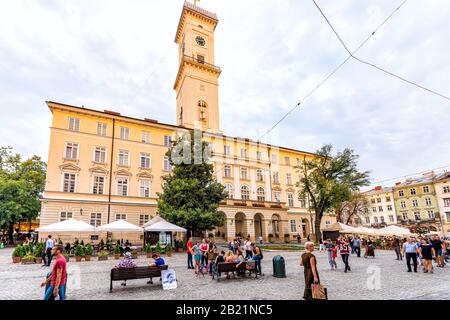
x=428, y=201
x=145, y=137
x=143, y=219
x=374, y=209
x=373, y=201
x=367, y=220
x=122, y=186
x=431, y=214
x=96, y=219
x=447, y=202
x=167, y=141
x=415, y=203
x=447, y=214
x=378, y=200
x=289, y=179
x=426, y=189
x=380, y=208
x=417, y=216
x=413, y=191
x=200, y=58
x=71, y=151
x=69, y=182
x=124, y=158
x=244, y=174
x=299, y=162
x=389, y=207
x=287, y=161
x=277, y=196
x=144, y=188
x=259, y=175
x=121, y=216
x=446, y=189
x=226, y=150
x=274, y=159
x=227, y=171
x=124, y=133
x=382, y=219
x=401, y=193
x=405, y=216
x=99, y=184
x=258, y=155
x=243, y=153
x=166, y=164
x=388, y=199
x=65, y=216
x=101, y=129
x=146, y=161
x=276, y=178
x=100, y=154
x=290, y=200
x=375, y=219
x=391, y=218
x=403, y=204
x=74, y=124
x=293, y=226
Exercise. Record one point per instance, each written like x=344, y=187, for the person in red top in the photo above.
x=58, y=277
x=344, y=250
x=189, y=254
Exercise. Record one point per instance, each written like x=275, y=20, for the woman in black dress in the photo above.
x=426, y=252
x=308, y=261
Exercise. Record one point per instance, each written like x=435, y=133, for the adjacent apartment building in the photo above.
x=104, y=166
x=380, y=208
x=442, y=188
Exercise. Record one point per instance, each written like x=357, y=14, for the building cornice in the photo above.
x=200, y=13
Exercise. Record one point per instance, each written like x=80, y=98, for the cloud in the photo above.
x=121, y=56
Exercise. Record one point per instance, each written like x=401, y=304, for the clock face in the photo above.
x=200, y=41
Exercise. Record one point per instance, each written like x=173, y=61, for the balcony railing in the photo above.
x=201, y=62
x=253, y=204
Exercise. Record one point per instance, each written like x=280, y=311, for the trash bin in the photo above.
x=279, y=267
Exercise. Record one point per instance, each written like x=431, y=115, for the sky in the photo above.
x=121, y=56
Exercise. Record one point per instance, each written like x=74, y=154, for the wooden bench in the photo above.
x=225, y=267
x=135, y=273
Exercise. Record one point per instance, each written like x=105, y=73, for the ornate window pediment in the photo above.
x=98, y=170
x=69, y=167
x=277, y=188
x=123, y=172
x=145, y=175
x=290, y=190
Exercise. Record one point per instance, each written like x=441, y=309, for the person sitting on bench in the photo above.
x=126, y=263
x=158, y=262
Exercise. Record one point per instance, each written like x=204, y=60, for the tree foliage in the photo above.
x=191, y=195
x=329, y=180
x=356, y=207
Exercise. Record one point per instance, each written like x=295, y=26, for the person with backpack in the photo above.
x=257, y=257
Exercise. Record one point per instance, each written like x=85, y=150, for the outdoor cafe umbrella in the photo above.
x=70, y=225
x=393, y=231
x=164, y=226
x=120, y=226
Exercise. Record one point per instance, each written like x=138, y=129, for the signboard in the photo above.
x=94, y=238
x=169, y=279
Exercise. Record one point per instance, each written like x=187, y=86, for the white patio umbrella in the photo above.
x=153, y=221
x=120, y=226
x=393, y=231
x=70, y=225
x=164, y=226
x=341, y=228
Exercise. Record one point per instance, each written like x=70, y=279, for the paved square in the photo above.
x=22, y=281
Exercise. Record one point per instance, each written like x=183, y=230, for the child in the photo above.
x=333, y=256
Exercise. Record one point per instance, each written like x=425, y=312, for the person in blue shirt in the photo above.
x=158, y=260
x=410, y=253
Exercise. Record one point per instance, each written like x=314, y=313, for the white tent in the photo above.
x=120, y=226
x=153, y=221
x=393, y=231
x=164, y=226
x=70, y=225
x=363, y=230
x=340, y=227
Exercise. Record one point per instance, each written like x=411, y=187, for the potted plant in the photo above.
x=180, y=245
x=158, y=248
x=17, y=254
x=169, y=250
x=287, y=238
x=66, y=255
x=88, y=251
x=117, y=252
x=38, y=251
x=28, y=259
x=148, y=250
x=271, y=238
x=103, y=255
x=79, y=253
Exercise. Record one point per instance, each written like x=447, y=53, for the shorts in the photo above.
x=439, y=253
x=197, y=257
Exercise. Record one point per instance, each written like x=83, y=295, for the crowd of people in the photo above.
x=204, y=255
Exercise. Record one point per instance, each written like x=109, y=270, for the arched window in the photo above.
x=202, y=106
x=245, y=193
x=229, y=189
x=261, y=195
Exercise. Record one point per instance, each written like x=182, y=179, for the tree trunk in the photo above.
x=317, y=222
x=10, y=233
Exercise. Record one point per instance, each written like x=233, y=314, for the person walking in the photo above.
x=329, y=246
x=248, y=249
x=189, y=246
x=257, y=257
x=205, y=250
x=344, y=250
x=197, y=253
x=409, y=251
x=396, y=245
x=309, y=263
x=49, y=244
x=58, y=276
x=357, y=246
x=426, y=252
x=439, y=249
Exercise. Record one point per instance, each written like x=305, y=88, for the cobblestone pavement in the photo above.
x=380, y=278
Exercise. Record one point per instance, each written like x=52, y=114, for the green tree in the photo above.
x=21, y=184
x=191, y=195
x=329, y=180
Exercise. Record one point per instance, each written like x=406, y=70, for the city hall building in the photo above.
x=104, y=166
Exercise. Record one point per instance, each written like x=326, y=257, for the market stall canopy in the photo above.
x=340, y=227
x=164, y=226
x=120, y=226
x=393, y=231
x=363, y=230
x=153, y=221
x=70, y=225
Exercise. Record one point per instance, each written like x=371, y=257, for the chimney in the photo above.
x=378, y=188
x=398, y=183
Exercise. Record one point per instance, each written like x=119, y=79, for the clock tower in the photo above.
x=197, y=80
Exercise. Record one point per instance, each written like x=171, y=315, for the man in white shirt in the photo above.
x=248, y=249
x=49, y=244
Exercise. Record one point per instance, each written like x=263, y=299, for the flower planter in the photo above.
x=116, y=256
x=28, y=261
x=180, y=250
x=38, y=260
x=169, y=254
x=78, y=258
x=87, y=258
x=102, y=258
x=149, y=254
x=16, y=259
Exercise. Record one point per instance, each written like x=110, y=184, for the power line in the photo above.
x=373, y=65
x=333, y=72
x=410, y=175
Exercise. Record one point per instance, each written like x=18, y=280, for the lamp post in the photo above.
x=81, y=212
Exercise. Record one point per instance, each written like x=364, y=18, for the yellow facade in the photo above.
x=103, y=166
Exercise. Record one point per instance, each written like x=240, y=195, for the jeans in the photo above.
x=345, y=260
x=189, y=260
x=257, y=260
x=353, y=248
x=331, y=261
x=204, y=260
x=61, y=292
x=248, y=254
x=412, y=256
x=49, y=256
x=398, y=253
x=358, y=251
x=44, y=258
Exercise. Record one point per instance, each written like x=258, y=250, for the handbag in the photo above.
x=319, y=292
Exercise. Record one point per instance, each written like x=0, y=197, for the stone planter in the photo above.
x=78, y=258
x=28, y=261
x=116, y=256
x=169, y=254
x=16, y=259
x=87, y=258
x=38, y=260
x=149, y=254
x=102, y=258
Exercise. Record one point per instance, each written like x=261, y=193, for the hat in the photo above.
x=127, y=255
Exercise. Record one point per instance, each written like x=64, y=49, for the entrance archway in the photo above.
x=240, y=225
x=276, y=226
x=305, y=228
x=259, y=226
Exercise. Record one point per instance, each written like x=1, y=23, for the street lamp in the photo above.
x=81, y=211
